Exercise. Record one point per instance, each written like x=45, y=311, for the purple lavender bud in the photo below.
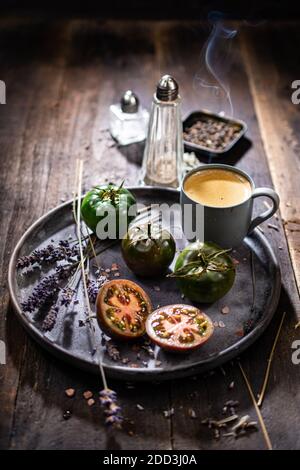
x=67, y=295
x=64, y=272
x=94, y=286
x=108, y=393
x=50, y=319
x=64, y=243
x=112, y=411
x=50, y=254
x=42, y=293
x=114, y=421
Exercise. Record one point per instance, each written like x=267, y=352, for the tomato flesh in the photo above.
x=179, y=327
x=122, y=308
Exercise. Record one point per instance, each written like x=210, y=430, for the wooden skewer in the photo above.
x=258, y=412
x=267, y=374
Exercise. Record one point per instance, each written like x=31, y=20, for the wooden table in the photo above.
x=61, y=76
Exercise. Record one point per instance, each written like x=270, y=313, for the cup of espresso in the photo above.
x=217, y=204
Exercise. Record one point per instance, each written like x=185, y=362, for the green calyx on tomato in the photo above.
x=108, y=210
x=148, y=250
x=204, y=272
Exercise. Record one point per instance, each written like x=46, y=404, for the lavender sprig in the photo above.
x=108, y=397
x=47, y=288
x=50, y=254
x=112, y=411
x=65, y=298
x=43, y=292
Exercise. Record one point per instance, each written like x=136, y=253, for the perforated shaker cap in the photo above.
x=167, y=88
x=129, y=102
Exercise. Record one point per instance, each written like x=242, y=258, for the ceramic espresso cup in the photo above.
x=227, y=225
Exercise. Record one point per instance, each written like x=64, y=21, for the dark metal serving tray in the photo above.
x=68, y=341
x=206, y=151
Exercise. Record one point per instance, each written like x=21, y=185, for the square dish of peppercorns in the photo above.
x=211, y=133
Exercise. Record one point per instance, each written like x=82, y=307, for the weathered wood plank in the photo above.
x=71, y=95
x=73, y=70
x=270, y=60
x=14, y=209
x=208, y=394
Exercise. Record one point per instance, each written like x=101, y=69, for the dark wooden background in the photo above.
x=61, y=76
x=255, y=10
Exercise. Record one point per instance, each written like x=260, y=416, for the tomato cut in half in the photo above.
x=122, y=309
x=179, y=327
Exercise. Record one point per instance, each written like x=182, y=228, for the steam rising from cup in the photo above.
x=212, y=79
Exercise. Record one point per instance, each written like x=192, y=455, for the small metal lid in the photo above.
x=167, y=89
x=129, y=102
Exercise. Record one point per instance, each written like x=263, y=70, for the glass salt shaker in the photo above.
x=162, y=162
x=128, y=121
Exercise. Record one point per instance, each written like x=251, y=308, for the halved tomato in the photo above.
x=179, y=327
x=122, y=308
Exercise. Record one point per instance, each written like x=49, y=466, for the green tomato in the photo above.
x=148, y=250
x=204, y=271
x=108, y=204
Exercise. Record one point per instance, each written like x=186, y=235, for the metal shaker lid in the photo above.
x=129, y=102
x=167, y=88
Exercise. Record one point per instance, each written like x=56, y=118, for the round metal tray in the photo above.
x=71, y=342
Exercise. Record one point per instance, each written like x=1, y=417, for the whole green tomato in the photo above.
x=148, y=250
x=112, y=206
x=204, y=272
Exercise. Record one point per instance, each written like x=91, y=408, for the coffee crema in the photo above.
x=217, y=187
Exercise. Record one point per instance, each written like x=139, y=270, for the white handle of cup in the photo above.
x=266, y=192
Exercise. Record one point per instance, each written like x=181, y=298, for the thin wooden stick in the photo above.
x=253, y=280
x=267, y=374
x=79, y=191
x=74, y=193
x=259, y=415
x=93, y=251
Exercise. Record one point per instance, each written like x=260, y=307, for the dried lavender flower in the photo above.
x=65, y=271
x=50, y=254
x=26, y=261
x=93, y=287
x=43, y=292
x=50, y=319
x=112, y=411
x=67, y=295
